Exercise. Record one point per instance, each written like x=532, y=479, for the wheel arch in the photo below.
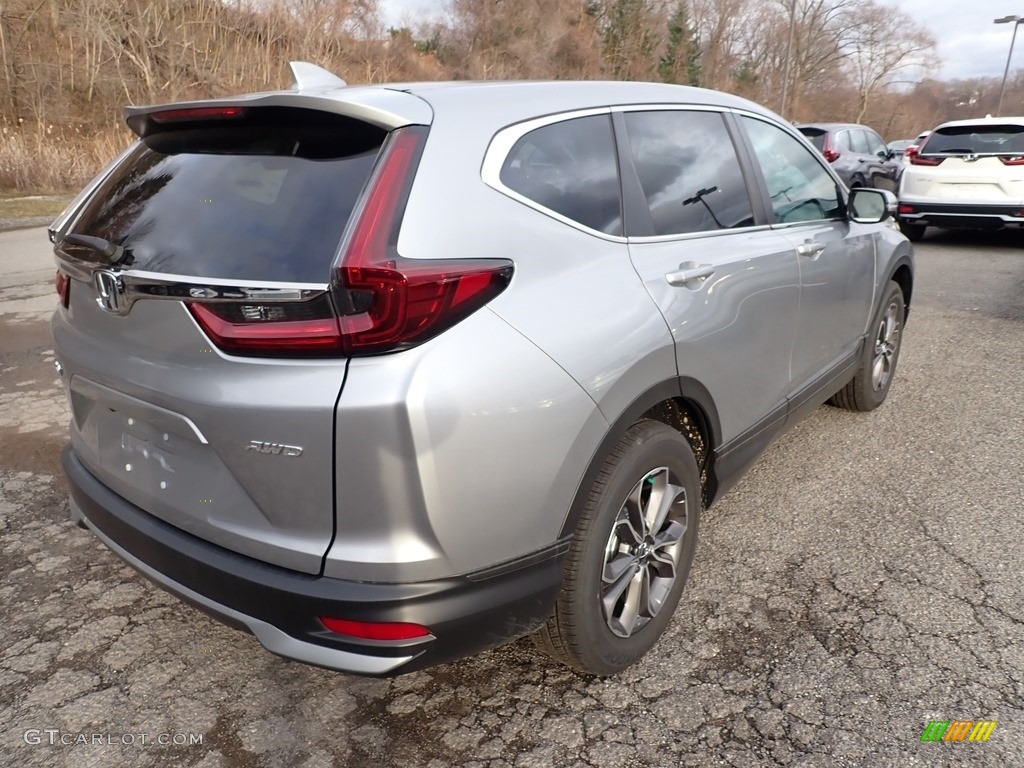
x=682, y=403
x=902, y=274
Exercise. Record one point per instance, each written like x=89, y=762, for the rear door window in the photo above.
x=689, y=171
x=570, y=168
x=262, y=197
x=799, y=186
x=875, y=144
x=859, y=142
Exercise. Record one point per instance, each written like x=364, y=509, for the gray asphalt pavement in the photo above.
x=863, y=580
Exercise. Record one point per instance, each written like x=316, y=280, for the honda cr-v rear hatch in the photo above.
x=199, y=339
x=970, y=164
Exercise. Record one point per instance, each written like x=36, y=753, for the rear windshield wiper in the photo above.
x=113, y=253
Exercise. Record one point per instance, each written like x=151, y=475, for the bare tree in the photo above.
x=883, y=43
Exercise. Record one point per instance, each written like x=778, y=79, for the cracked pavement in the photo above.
x=862, y=580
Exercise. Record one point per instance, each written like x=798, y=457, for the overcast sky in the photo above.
x=969, y=44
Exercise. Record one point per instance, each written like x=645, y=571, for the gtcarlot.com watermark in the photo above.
x=56, y=737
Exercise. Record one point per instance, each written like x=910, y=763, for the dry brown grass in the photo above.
x=33, y=206
x=34, y=159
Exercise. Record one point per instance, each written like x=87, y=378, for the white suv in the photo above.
x=968, y=174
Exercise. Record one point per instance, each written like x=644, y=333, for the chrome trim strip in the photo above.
x=142, y=284
x=696, y=235
x=505, y=139
x=964, y=215
x=269, y=636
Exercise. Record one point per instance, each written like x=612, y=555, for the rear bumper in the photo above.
x=962, y=216
x=465, y=614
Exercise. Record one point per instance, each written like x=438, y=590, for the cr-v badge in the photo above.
x=110, y=290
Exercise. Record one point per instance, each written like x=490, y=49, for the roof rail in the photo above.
x=306, y=76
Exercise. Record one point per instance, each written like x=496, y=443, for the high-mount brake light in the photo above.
x=196, y=113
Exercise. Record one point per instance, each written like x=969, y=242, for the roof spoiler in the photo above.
x=306, y=76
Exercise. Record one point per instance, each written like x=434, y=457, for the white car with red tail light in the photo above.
x=968, y=174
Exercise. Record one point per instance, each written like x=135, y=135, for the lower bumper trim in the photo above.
x=465, y=614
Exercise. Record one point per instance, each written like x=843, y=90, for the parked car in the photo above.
x=388, y=376
x=899, y=148
x=966, y=175
x=857, y=154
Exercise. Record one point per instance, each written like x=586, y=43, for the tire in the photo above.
x=913, y=232
x=870, y=386
x=594, y=628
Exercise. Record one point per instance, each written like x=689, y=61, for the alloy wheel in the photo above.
x=886, y=345
x=642, y=553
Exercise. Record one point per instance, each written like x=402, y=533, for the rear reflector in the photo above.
x=906, y=209
x=196, y=113
x=374, y=630
x=63, y=285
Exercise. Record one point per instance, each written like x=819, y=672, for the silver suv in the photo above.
x=389, y=375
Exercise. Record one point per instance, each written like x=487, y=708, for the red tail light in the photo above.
x=299, y=329
x=389, y=302
x=1012, y=160
x=906, y=209
x=831, y=155
x=914, y=153
x=63, y=285
x=375, y=630
x=382, y=302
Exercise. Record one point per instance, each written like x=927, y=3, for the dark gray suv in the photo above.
x=388, y=375
x=857, y=154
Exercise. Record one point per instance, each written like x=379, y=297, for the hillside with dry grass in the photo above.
x=67, y=67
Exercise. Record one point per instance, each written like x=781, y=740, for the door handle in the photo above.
x=810, y=250
x=690, y=273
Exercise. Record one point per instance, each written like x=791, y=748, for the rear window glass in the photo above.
x=816, y=136
x=975, y=140
x=262, y=197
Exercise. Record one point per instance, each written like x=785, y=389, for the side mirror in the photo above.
x=871, y=206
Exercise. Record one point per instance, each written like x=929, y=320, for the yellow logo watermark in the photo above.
x=958, y=730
